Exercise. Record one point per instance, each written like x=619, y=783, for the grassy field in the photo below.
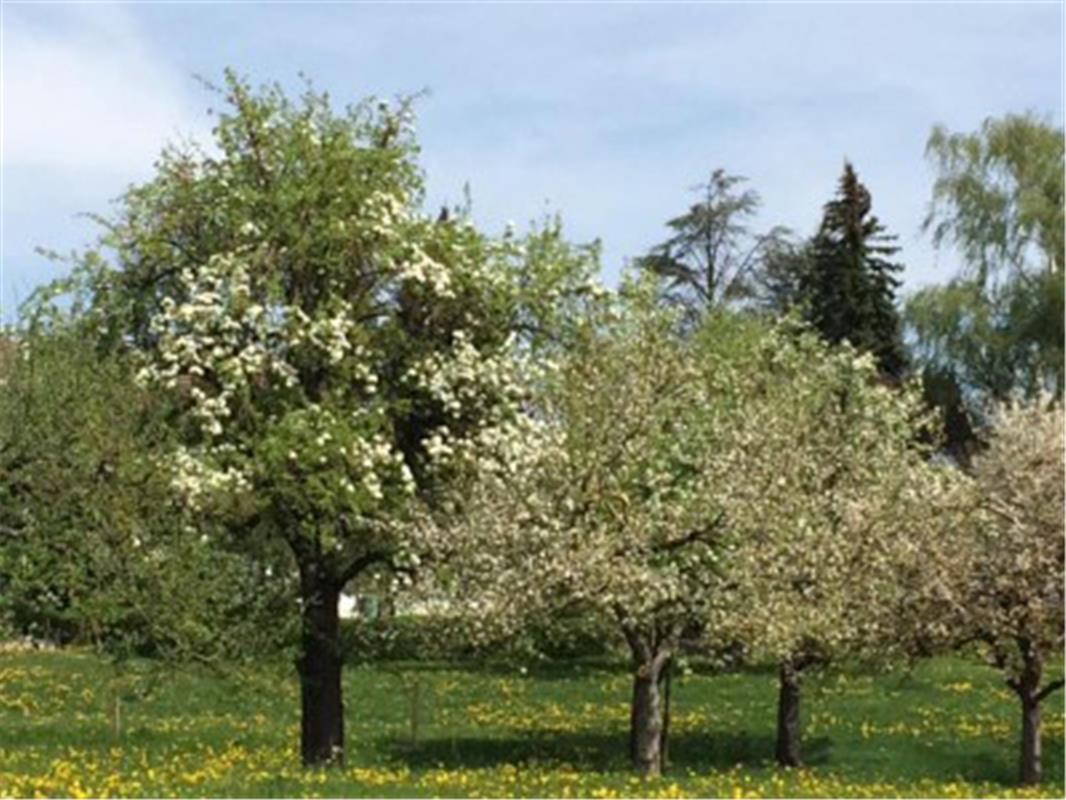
x=948, y=729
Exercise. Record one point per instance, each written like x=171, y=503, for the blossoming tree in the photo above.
x=331, y=353
x=1008, y=563
x=617, y=509
x=838, y=506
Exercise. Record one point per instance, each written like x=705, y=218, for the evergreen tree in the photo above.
x=779, y=278
x=713, y=255
x=849, y=290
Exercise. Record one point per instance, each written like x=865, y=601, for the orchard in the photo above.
x=670, y=537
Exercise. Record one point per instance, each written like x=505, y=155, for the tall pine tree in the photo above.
x=849, y=289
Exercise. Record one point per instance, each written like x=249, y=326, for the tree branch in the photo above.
x=698, y=534
x=360, y=564
x=1051, y=687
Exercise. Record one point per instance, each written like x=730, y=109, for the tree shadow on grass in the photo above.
x=703, y=752
x=552, y=669
x=576, y=669
x=971, y=760
x=700, y=752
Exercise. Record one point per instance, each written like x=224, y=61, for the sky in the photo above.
x=605, y=113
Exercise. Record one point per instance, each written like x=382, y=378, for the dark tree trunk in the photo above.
x=665, y=684
x=1030, y=766
x=322, y=723
x=646, y=731
x=1027, y=688
x=787, y=751
x=648, y=716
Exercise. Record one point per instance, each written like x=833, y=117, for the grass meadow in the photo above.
x=948, y=728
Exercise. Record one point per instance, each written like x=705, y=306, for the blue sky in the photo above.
x=605, y=113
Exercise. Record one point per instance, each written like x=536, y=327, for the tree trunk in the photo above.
x=787, y=751
x=1030, y=766
x=322, y=723
x=1028, y=690
x=648, y=714
x=665, y=681
x=646, y=731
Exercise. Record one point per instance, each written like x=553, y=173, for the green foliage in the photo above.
x=556, y=286
x=994, y=340
x=572, y=637
x=998, y=194
x=394, y=638
x=848, y=290
x=94, y=547
x=777, y=285
x=997, y=328
x=713, y=255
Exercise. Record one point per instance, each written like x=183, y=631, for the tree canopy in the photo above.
x=713, y=254
x=330, y=353
x=848, y=290
x=997, y=327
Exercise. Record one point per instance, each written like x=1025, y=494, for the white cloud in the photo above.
x=88, y=94
x=607, y=113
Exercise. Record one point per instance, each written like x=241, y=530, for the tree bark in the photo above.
x=665, y=684
x=322, y=722
x=1027, y=688
x=646, y=731
x=652, y=652
x=1030, y=765
x=787, y=751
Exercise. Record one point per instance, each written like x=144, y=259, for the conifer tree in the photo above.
x=849, y=291
x=713, y=256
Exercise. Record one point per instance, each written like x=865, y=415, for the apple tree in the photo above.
x=1008, y=562
x=615, y=505
x=838, y=506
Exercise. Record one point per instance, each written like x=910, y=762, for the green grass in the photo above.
x=949, y=728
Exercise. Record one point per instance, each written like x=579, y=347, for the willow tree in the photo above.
x=998, y=194
x=328, y=349
x=995, y=328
